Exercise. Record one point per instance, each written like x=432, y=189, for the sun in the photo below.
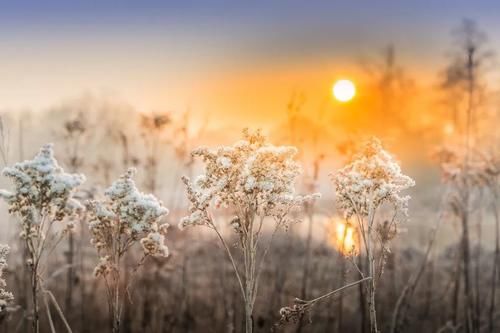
x=344, y=90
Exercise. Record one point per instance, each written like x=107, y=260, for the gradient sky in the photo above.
x=215, y=56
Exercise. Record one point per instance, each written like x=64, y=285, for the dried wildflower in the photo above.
x=251, y=174
x=42, y=195
x=153, y=244
x=477, y=168
x=300, y=307
x=104, y=267
x=5, y=297
x=293, y=314
x=256, y=180
x=465, y=173
x=373, y=178
x=41, y=189
x=468, y=172
x=125, y=217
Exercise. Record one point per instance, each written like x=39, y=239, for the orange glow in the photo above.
x=343, y=236
x=448, y=129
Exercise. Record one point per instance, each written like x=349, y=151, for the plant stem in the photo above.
x=331, y=293
x=34, y=295
x=307, y=260
x=34, y=288
x=371, y=288
x=371, y=269
x=491, y=321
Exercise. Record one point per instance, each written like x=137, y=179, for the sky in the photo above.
x=232, y=58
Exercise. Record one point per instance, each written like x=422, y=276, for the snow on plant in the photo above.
x=469, y=174
x=371, y=180
x=300, y=307
x=43, y=200
x=256, y=180
x=478, y=168
x=6, y=297
x=124, y=218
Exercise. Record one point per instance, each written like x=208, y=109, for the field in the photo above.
x=371, y=208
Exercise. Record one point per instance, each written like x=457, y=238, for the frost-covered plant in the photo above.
x=43, y=200
x=469, y=174
x=301, y=308
x=6, y=297
x=255, y=180
x=124, y=218
x=373, y=180
x=481, y=170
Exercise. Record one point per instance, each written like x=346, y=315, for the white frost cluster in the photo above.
x=371, y=179
x=250, y=175
x=5, y=296
x=41, y=188
x=125, y=217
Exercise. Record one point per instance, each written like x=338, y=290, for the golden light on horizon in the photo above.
x=343, y=236
x=344, y=90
